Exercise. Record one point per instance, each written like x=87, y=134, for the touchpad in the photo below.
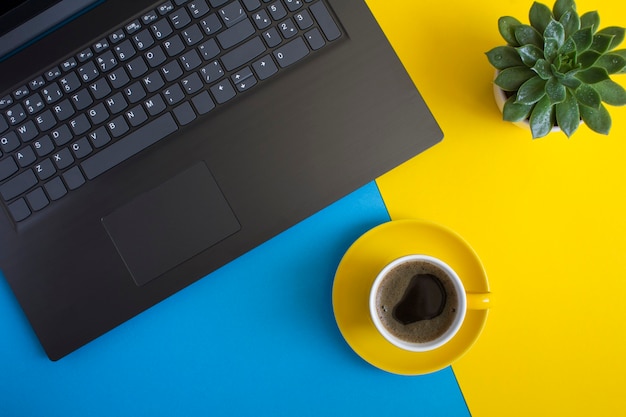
x=169, y=224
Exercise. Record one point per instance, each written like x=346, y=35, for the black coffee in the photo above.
x=417, y=302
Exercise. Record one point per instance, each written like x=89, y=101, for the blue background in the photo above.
x=255, y=338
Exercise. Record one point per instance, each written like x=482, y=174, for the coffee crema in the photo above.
x=417, y=302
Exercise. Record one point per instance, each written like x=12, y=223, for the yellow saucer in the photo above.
x=358, y=269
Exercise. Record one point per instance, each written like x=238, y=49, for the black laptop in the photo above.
x=144, y=144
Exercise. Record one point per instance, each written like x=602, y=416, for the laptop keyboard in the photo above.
x=162, y=70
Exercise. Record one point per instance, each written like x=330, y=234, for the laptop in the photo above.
x=145, y=144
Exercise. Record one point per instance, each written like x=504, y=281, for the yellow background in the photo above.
x=547, y=217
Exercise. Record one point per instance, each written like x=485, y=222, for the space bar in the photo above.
x=129, y=145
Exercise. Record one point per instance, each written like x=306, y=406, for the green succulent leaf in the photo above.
x=528, y=35
x=551, y=49
x=620, y=53
x=540, y=16
x=555, y=91
x=571, y=22
x=556, y=31
x=561, y=7
x=502, y=57
x=588, y=96
x=616, y=32
x=543, y=69
x=531, y=91
x=588, y=58
x=541, y=118
x=515, y=112
x=506, y=27
x=612, y=63
x=583, y=39
x=590, y=20
x=512, y=78
x=568, y=114
x=529, y=54
x=597, y=119
x=569, y=49
x=611, y=92
x=592, y=75
x=569, y=80
x=601, y=42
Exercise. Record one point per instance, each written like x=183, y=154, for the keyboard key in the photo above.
x=63, y=158
x=8, y=167
x=293, y=5
x=37, y=199
x=99, y=137
x=174, y=45
x=198, y=8
x=43, y=146
x=19, y=210
x=25, y=157
x=73, y=178
x=244, y=53
x=251, y=5
x=70, y=82
x=155, y=57
x=106, y=61
x=261, y=19
x=9, y=142
x=134, y=92
x=212, y=72
x=45, y=121
x=223, y=91
x=277, y=10
x=88, y=72
x=125, y=50
x=153, y=82
x=116, y=103
x=217, y=3
x=15, y=114
x=209, y=49
x=34, y=104
x=265, y=67
x=172, y=71
x=173, y=95
x=211, y=24
x=161, y=29
x=136, y=116
x=133, y=27
x=5, y=102
x=232, y=14
x=37, y=83
x=291, y=52
x=117, y=36
x=118, y=127
x=130, y=145
x=85, y=55
x=192, y=35
x=98, y=114
x=315, y=39
x=203, y=103
x=149, y=17
x=234, y=35
x=101, y=46
x=45, y=169
x=180, y=19
x=64, y=110
x=165, y=8
x=82, y=99
x=118, y=78
x=55, y=189
x=27, y=131
x=272, y=38
x=80, y=124
x=184, y=114
x=155, y=105
x=52, y=74
x=190, y=60
x=143, y=40
x=18, y=185
x=21, y=92
x=137, y=67
x=81, y=148
x=325, y=20
x=192, y=83
x=61, y=135
x=303, y=20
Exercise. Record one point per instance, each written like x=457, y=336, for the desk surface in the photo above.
x=545, y=216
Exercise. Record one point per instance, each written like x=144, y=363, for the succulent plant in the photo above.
x=556, y=71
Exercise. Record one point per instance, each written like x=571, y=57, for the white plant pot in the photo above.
x=501, y=98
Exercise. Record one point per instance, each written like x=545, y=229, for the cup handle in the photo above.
x=478, y=301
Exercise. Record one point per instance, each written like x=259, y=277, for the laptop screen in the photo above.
x=23, y=21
